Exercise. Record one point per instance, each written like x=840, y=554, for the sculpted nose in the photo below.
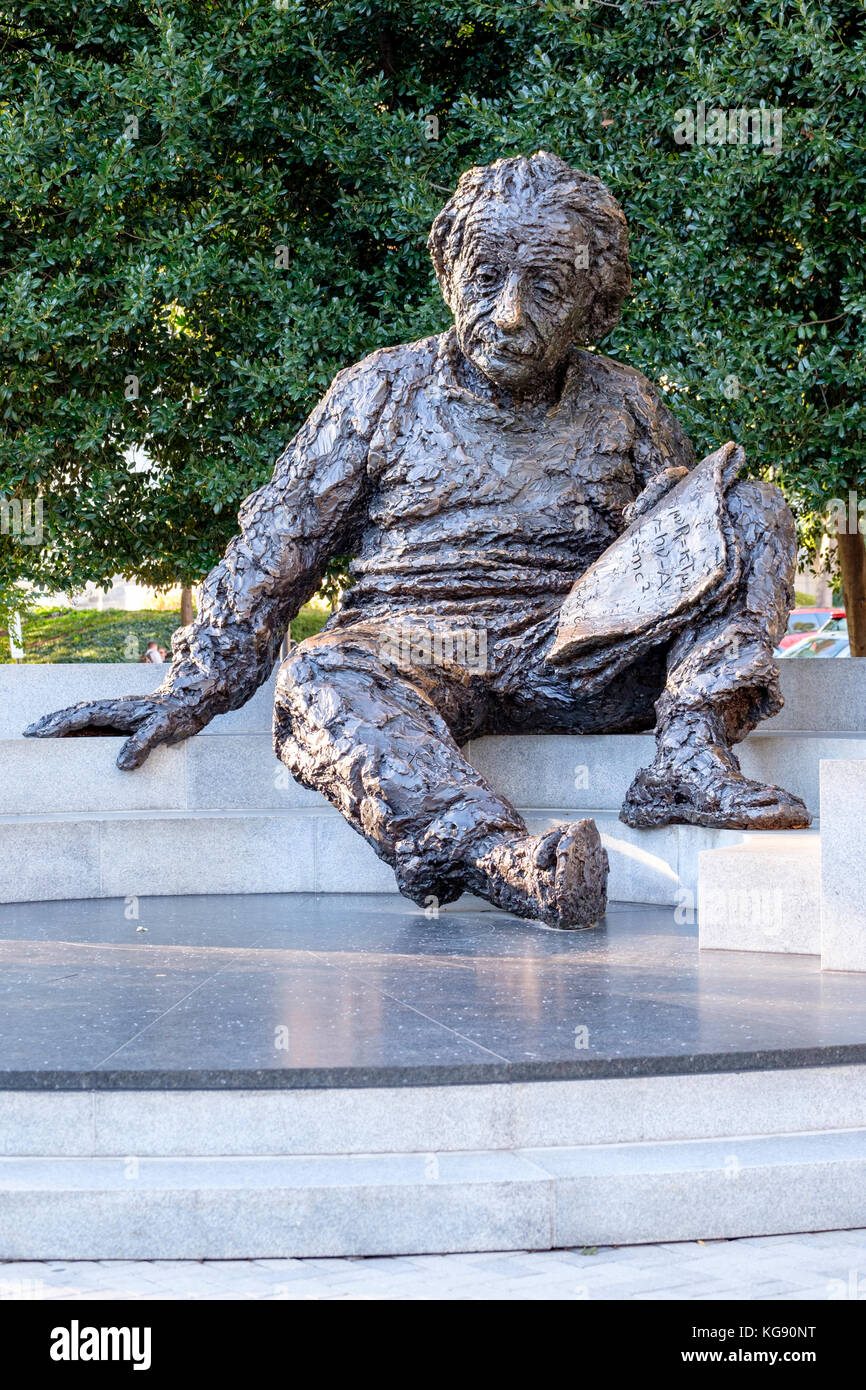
x=508, y=309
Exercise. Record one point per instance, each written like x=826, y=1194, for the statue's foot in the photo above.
x=559, y=878
x=709, y=791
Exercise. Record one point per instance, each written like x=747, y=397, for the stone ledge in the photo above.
x=241, y=772
x=303, y=849
x=431, y=1118
x=820, y=696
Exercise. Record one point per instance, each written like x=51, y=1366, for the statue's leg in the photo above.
x=378, y=743
x=722, y=680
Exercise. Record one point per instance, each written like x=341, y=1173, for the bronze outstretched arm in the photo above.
x=289, y=530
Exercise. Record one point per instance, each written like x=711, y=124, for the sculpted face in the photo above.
x=519, y=290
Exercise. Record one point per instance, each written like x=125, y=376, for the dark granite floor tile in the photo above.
x=294, y=985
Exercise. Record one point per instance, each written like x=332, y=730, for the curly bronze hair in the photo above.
x=600, y=224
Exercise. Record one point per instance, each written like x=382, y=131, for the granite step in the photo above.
x=170, y=1118
x=398, y=1203
x=241, y=771
x=762, y=895
x=794, y=892
x=843, y=865
x=156, y=852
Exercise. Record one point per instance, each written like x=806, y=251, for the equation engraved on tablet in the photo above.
x=664, y=564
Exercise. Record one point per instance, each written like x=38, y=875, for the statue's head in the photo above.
x=531, y=256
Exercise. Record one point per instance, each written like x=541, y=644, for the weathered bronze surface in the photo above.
x=533, y=553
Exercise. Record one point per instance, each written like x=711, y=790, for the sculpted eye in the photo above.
x=487, y=278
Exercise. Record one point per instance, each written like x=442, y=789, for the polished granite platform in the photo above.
x=344, y=990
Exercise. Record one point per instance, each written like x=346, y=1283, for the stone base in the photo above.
x=292, y=1075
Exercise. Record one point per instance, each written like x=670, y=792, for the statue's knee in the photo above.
x=291, y=674
x=313, y=683
x=303, y=667
x=297, y=678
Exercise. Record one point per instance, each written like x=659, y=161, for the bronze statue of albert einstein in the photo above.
x=535, y=550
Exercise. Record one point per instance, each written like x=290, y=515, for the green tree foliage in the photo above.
x=219, y=205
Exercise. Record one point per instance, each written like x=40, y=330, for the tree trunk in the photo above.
x=186, y=613
x=852, y=563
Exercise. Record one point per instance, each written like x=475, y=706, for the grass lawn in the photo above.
x=63, y=634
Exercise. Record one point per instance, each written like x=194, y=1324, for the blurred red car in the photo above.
x=805, y=622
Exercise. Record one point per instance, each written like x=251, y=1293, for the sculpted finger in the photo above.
x=654, y=491
x=98, y=714
x=136, y=749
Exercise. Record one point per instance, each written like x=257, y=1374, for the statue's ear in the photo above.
x=437, y=243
